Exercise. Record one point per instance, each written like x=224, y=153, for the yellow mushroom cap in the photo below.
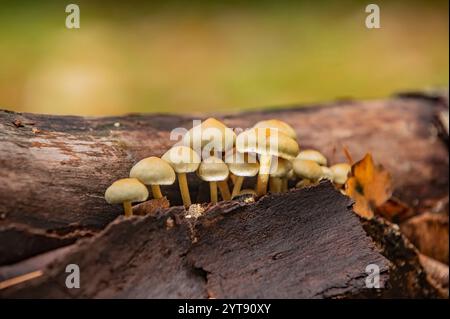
x=340, y=172
x=153, y=171
x=212, y=133
x=183, y=159
x=313, y=155
x=283, y=127
x=267, y=141
x=242, y=164
x=327, y=173
x=307, y=169
x=126, y=190
x=213, y=169
x=280, y=167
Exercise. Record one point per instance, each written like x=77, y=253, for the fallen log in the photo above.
x=306, y=243
x=54, y=169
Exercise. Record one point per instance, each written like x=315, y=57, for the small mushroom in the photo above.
x=153, y=171
x=340, y=172
x=313, y=155
x=278, y=173
x=126, y=191
x=327, y=173
x=213, y=170
x=241, y=165
x=307, y=169
x=183, y=160
x=210, y=136
x=246, y=196
x=266, y=142
x=283, y=127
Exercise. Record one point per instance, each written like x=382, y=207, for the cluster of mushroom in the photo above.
x=218, y=155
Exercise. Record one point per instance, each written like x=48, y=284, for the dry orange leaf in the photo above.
x=369, y=185
x=395, y=210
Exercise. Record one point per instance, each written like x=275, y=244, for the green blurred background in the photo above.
x=208, y=56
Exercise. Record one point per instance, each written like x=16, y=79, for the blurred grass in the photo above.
x=206, y=57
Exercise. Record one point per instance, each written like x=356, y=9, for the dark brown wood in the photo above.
x=407, y=274
x=54, y=169
x=17, y=241
x=306, y=243
x=437, y=273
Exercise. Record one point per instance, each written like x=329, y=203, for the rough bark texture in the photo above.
x=437, y=274
x=407, y=273
x=303, y=244
x=17, y=242
x=54, y=169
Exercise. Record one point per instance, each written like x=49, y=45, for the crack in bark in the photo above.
x=233, y=256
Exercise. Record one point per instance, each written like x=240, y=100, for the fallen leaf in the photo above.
x=395, y=210
x=429, y=233
x=369, y=185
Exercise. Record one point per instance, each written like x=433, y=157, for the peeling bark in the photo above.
x=305, y=243
x=54, y=169
x=19, y=242
x=407, y=273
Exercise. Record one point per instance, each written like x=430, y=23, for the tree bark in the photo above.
x=289, y=241
x=286, y=245
x=54, y=171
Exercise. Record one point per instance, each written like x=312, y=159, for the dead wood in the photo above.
x=305, y=243
x=54, y=169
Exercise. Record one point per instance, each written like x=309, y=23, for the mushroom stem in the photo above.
x=284, y=184
x=224, y=190
x=263, y=176
x=237, y=186
x=128, y=209
x=184, y=189
x=213, y=191
x=275, y=184
x=156, y=191
x=233, y=178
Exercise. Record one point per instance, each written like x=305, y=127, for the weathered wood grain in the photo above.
x=306, y=243
x=54, y=169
